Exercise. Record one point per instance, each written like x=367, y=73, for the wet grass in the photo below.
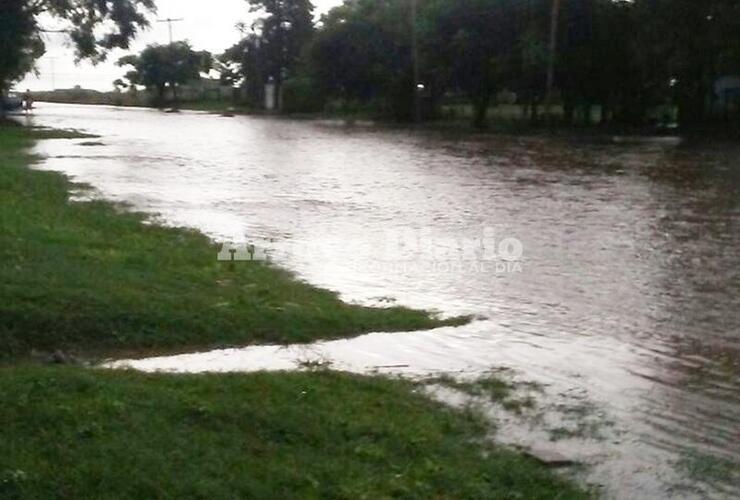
x=583, y=420
x=41, y=133
x=74, y=433
x=706, y=468
x=489, y=387
x=91, y=279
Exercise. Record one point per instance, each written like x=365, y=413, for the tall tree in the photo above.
x=363, y=54
x=285, y=28
x=20, y=43
x=161, y=66
x=477, y=41
x=245, y=65
x=692, y=42
x=602, y=62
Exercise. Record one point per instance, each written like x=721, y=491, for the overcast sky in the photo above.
x=208, y=25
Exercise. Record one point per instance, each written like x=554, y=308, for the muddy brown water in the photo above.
x=626, y=295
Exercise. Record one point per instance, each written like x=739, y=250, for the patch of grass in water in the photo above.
x=709, y=468
x=584, y=420
x=580, y=430
x=75, y=433
x=91, y=279
x=41, y=133
x=490, y=387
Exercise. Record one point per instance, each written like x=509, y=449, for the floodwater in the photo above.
x=626, y=296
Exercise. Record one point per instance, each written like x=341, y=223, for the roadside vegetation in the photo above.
x=91, y=279
x=490, y=388
x=74, y=433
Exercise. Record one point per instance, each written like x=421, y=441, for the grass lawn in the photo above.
x=89, y=278
x=79, y=434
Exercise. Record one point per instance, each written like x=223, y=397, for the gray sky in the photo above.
x=206, y=27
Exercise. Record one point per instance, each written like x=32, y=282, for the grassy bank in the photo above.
x=89, y=278
x=73, y=433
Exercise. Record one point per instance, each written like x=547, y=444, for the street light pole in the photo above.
x=415, y=62
x=553, y=52
x=169, y=22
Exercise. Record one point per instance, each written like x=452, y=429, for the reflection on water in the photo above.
x=630, y=281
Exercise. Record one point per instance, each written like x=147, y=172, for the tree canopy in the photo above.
x=624, y=56
x=93, y=26
x=162, y=66
x=20, y=43
x=272, y=46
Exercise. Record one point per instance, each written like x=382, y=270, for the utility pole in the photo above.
x=169, y=22
x=553, y=53
x=418, y=87
x=53, y=73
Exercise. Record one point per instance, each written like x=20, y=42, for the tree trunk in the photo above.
x=552, y=57
x=691, y=108
x=569, y=112
x=535, y=115
x=278, y=94
x=480, y=105
x=606, y=112
x=174, y=94
x=160, y=96
x=3, y=113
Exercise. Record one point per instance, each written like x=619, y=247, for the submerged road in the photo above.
x=626, y=294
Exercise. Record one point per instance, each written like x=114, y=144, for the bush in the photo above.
x=302, y=95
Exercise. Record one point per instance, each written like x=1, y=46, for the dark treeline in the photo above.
x=630, y=62
x=625, y=58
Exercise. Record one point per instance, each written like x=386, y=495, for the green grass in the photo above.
x=75, y=433
x=703, y=467
x=91, y=279
x=491, y=388
x=41, y=133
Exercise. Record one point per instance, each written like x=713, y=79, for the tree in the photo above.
x=93, y=26
x=244, y=65
x=363, y=53
x=477, y=41
x=20, y=43
x=284, y=30
x=696, y=36
x=603, y=60
x=161, y=66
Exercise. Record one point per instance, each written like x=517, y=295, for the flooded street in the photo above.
x=627, y=295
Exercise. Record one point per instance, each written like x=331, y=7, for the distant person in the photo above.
x=28, y=101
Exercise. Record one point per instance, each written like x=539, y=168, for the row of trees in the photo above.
x=625, y=56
